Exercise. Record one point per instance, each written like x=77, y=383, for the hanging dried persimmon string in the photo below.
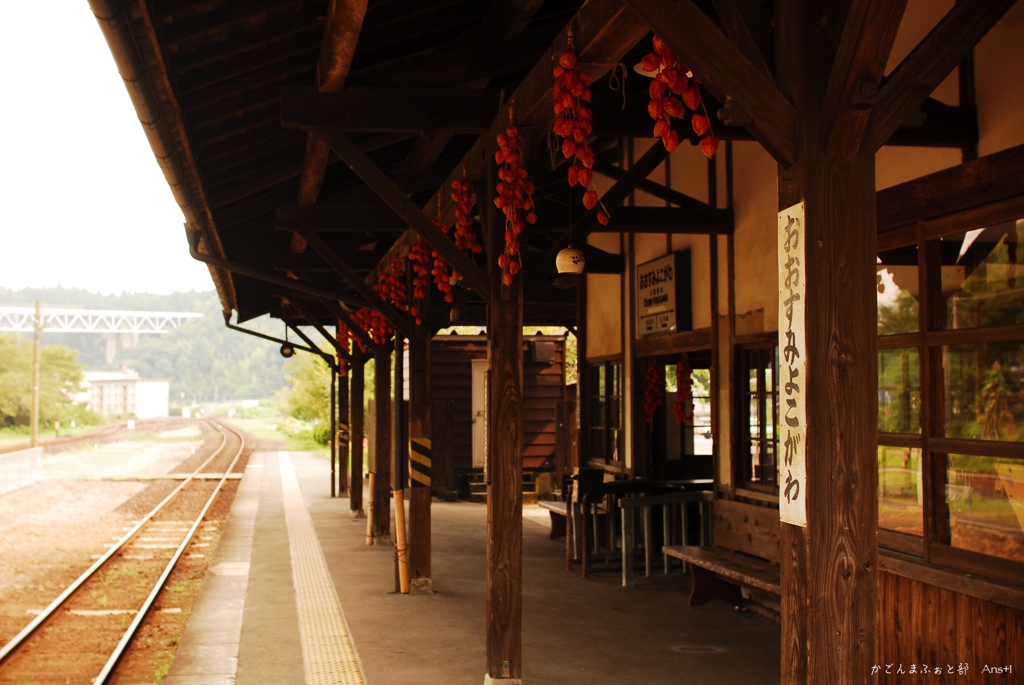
x=683, y=407
x=420, y=261
x=655, y=393
x=672, y=79
x=442, y=279
x=574, y=123
x=514, y=196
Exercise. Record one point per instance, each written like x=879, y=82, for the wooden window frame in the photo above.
x=934, y=546
x=741, y=430
x=592, y=431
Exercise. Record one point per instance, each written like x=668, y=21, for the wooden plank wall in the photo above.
x=543, y=385
x=921, y=623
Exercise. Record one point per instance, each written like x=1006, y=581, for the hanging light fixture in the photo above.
x=570, y=260
x=287, y=350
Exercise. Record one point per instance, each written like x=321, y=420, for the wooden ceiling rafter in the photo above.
x=291, y=70
x=204, y=57
x=604, y=31
x=930, y=62
x=348, y=217
x=504, y=20
x=222, y=20
x=341, y=34
x=313, y=321
x=397, y=320
x=857, y=71
x=723, y=68
x=242, y=65
x=257, y=274
x=578, y=232
x=740, y=21
x=393, y=196
x=388, y=110
x=357, y=330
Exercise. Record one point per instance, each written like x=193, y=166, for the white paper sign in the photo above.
x=792, y=368
x=656, y=296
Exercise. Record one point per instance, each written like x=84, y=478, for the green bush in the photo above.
x=322, y=433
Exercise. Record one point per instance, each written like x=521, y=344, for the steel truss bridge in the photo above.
x=22, y=320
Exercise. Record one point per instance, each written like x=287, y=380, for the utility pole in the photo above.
x=35, y=375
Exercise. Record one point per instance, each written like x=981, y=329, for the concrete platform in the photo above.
x=252, y=626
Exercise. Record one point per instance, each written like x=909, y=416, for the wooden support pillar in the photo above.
x=382, y=447
x=420, y=459
x=504, y=461
x=334, y=432
x=830, y=566
x=398, y=432
x=355, y=423
x=342, y=435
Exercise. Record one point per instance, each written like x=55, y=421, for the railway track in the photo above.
x=135, y=568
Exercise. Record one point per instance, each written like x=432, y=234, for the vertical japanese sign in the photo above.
x=792, y=368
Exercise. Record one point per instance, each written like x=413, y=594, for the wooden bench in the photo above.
x=745, y=554
x=559, y=512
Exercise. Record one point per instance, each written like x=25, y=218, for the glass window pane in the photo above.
x=755, y=425
x=986, y=505
x=983, y=276
x=670, y=378
x=984, y=391
x=900, y=497
x=596, y=413
x=899, y=391
x=897, y=285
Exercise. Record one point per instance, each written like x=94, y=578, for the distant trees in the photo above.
x=203, y=360
x=309, y=397
x=60, y=376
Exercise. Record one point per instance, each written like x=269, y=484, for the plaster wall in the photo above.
x=604, y=319
x=999, y=84
x=755, y=190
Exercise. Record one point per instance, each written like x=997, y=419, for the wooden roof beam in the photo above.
x=725, y=71
x=921, y=72
x=312, y=321
x=742, y=20
x=344, y=24
x=505, y=19
x=391, y=110
x=355, y=328
x=509, y=18
x=397, y=320
x=650, y=187
x=604, y=31
x=257, y=274
x=676, y=220
x=340, y=218
x=393, y=196
x=579, y=231
x=868, y=36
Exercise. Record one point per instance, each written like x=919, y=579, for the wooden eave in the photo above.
x=222, y=75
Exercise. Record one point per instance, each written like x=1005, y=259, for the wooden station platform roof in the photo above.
x=227, y=91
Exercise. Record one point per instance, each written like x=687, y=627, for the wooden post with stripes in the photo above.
x=420, y=460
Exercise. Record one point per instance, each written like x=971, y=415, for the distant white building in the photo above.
x=113, y=393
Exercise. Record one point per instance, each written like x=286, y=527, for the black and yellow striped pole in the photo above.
x=420, y=462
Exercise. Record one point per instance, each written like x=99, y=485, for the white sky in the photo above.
x=84, y=202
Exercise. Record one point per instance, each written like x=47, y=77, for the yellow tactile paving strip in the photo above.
x=327, y=650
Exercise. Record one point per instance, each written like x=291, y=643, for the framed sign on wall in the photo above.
x=663, y=295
